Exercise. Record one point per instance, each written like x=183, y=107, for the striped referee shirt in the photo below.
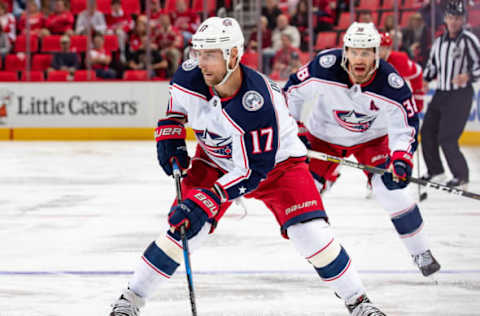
x=450, y=57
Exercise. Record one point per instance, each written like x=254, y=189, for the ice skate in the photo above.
x=128, y=304
x=437, y=178
x=457, y=183
x=363, y=307
x=426, y=263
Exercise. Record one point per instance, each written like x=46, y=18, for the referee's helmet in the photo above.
x=456, y=7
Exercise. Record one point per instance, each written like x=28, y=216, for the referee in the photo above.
x=455, y=62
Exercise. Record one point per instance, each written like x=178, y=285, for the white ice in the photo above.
x=76, y=216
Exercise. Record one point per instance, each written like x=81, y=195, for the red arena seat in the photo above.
x=131, y=6
x=14, y=62
x=135, y=75
x=51, y=44
x=58, y=75
x=35, y=75
x=77, y=6
x=82, y=75
x=111, y=43
x=8, y=76
x=197, y=6
x=326, y=40
x=78, y=43
x=41, y=61
x=21, y=43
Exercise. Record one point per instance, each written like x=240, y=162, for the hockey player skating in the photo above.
x=247, y=146
x=363, y=107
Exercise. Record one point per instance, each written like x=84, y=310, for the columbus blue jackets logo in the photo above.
x=227, y=22
x=252, y=101
x=215, y=145
x=189, y=64
x=327, y=61
x=353, y=121
x=395, y=80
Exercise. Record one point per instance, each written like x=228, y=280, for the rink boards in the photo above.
x=109, y=111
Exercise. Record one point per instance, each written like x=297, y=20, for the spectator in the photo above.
x=300, y=21
x=366, y=17
x=36, y=19
x=286, y=60
x=185, y=20
x=65, y=59
x=325, y=12
x=60, y=21
x=7, y=22
x=155, y=13
x=140, y=29
x=100, y=58
x=415, y=39
x=266, y=35
x=119, y=24
x=5, y=45
x=170, y=43
x=20, y=5
x=91, y=16
x=138, y=60
x=283, y=27
x=388, y=24
x=271, y=11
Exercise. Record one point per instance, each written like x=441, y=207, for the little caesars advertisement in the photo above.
x=107, y=104
x=94, y=104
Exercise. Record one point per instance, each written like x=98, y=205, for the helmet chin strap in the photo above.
x=229, y=71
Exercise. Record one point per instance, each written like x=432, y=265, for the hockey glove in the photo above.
x=197, y=207
x=170, y=136
x=401, y=171
x=302, y=134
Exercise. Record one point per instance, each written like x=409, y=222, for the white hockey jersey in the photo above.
x=348, y=115
x=245, y=135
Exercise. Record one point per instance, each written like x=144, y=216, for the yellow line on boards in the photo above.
x=470, y=138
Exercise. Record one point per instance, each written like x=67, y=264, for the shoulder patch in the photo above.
x=252, y=101
x=395, y=81
x=189, y=64
x=327, y=61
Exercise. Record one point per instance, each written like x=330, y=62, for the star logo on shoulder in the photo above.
x=242, y=190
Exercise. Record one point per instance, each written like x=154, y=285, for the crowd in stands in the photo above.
x=330, y=18
x=120, y=31
x=124, y=40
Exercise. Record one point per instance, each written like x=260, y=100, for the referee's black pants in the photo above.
x=442, y=126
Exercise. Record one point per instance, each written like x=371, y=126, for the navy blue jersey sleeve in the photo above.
x=402, y=114
x=254, y=144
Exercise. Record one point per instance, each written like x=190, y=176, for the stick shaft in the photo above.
x=186, y=253
x=380, y=171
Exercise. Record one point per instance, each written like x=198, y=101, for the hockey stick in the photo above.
x=380, y=171
x=177, y=174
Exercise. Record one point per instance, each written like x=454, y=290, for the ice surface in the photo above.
x=76, y=216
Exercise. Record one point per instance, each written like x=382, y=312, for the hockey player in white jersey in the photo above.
x=247, y=146
x=363, y=107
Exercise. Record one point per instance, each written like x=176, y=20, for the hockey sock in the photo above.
x=157, y=265
x=409, y=226
x=315, y=241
